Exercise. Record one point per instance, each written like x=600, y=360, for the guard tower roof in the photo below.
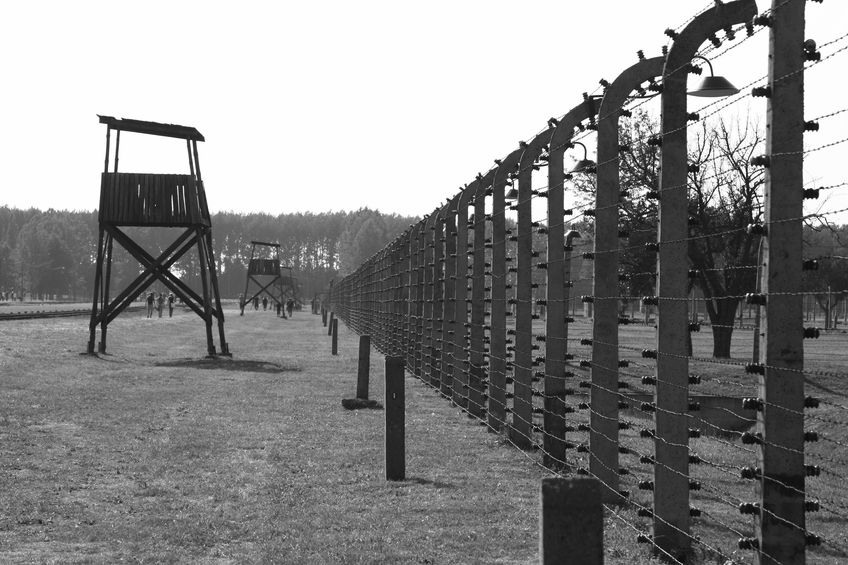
x=152, y=128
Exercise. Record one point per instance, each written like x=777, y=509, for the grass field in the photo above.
x=153, y=454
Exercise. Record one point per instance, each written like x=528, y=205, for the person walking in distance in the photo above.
x=171, y=299
x=241, y=304
x=160, y=303
x=290, y=307
x=149, y=304
x=264, y=302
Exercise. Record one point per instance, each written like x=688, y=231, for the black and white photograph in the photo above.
x=434, y=283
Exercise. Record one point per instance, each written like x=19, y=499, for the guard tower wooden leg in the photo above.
x=104, y=310
x=225, y=348
x=207, y=306
x=92, y=326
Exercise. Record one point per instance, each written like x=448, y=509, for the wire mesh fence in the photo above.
x=644, y=318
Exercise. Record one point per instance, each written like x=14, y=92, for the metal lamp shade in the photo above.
x=584, y=166
x=714, y=87
x=512, y=194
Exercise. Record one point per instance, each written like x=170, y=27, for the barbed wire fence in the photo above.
x=512, y=305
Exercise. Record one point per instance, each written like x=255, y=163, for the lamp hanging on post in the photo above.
x=584, y=165
x=713, y=86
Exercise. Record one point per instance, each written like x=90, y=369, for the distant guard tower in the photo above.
x=280, y=286
x=162, y=201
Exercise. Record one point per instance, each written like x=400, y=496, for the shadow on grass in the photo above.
x=814, y=384
x=231, y=365
x=423, y=482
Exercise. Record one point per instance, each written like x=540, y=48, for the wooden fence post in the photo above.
x=364, y=367
x=395, y=420
x=571, y=522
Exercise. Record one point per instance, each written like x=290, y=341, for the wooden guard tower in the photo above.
x=154, y=200
x=281, y=286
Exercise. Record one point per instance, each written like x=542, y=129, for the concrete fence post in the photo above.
x=437, y=330
x=781, y=519
x=427, y=345
x=558, y=293
x=497, y=344
x=449, y=314
x=330, y=329
x=521, y=429
x=461, y=356
x=334, y=329
x=476, y=357
x=604, y=417
x=671, y=468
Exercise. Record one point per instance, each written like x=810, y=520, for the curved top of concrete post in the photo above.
x=464, y=196
x=483, y=182
x=616, y=94
x=505, y=166
x=608, y=113
x=687, y=42
x=441, y=213
x=564, y=130
x=452, y=202
x=430, y=220
x=531, y=151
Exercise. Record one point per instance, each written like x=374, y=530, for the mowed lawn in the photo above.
x=153, y=454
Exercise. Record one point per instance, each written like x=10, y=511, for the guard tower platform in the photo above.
x=154, y=200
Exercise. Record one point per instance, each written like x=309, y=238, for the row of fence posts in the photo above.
x=423, y=297
x=571, y=512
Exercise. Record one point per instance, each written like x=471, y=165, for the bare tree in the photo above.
x=725, y=209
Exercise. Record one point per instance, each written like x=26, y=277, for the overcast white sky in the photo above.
x=332, y=105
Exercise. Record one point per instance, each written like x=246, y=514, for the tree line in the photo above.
x=52, y=253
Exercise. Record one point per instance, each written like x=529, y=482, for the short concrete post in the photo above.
x=330, y=329
x=395, y=420
x=571, y=522
x=364, y=367
x=334, y=329
x=324, y=316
